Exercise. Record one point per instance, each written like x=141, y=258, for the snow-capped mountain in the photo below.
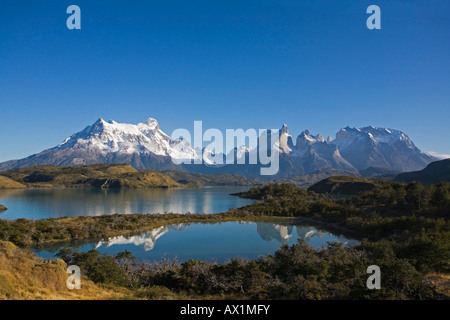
x=146, y=146
x=380, y=147
x=143, y=145
x=353, y=149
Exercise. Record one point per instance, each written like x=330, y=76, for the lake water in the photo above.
x=53, y=203
x=219, y=242
x=213, y=242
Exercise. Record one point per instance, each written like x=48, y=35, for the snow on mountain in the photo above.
x=146, y=146
x=123, y=138
x=143, y=145
x=380, y=147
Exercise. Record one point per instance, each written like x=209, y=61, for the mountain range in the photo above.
x=146, y=146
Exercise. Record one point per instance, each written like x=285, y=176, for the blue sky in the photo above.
x=311, y=64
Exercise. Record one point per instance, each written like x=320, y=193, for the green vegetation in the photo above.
x=307, y=180
x=24, y=232
x=92, y=176
x=200, y=179
x=409, y=219
x=406, y=225
x=345, y=185
x=296, y=272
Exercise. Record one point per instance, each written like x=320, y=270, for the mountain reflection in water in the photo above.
x=207, y=242
x=267, y=231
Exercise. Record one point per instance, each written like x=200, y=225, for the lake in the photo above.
x=218, y=242
x=53, y=203
x=212, y=242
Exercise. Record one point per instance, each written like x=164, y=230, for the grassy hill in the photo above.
x=211, y=179
x=92, y=176
x=24, y=276
x=345, y=185
x=435, y=172
x=7, y=183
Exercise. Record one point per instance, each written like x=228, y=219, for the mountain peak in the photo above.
x=284, y=129
x=151, y=121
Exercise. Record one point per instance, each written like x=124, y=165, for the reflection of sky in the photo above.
x=219, y=242
x=46, y=203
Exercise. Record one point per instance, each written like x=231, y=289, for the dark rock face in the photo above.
x=435, y=172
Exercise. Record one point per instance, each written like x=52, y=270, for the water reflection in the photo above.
x=219, y=242
x=270, y=232
x=267, y=231
x=52, y=203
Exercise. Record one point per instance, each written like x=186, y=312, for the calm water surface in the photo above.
x=52, y=203
x=213, y=242
x=219, y=242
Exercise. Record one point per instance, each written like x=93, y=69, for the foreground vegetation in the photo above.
x=407, y=225
x=25, y=276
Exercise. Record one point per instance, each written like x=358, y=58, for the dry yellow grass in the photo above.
x=92, y=176
x=441, y=283
x=7, y=183
x=23, y=276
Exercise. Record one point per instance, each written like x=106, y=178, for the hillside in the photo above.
x=211, y=179
x=435, y=172
x=92, y=176
x=23, y=276
x=344, y=185
x=379, y=173
x=7, y=183
x=307, y=180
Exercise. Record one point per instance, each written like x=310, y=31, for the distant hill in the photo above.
x=211, y=179
x=379, y=173
x=7, y=183
x=435, y=172
x=344, y=185
x=307, y=180
x=92, y=176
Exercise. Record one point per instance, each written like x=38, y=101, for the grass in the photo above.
x=7, y=183
x=24, y=276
